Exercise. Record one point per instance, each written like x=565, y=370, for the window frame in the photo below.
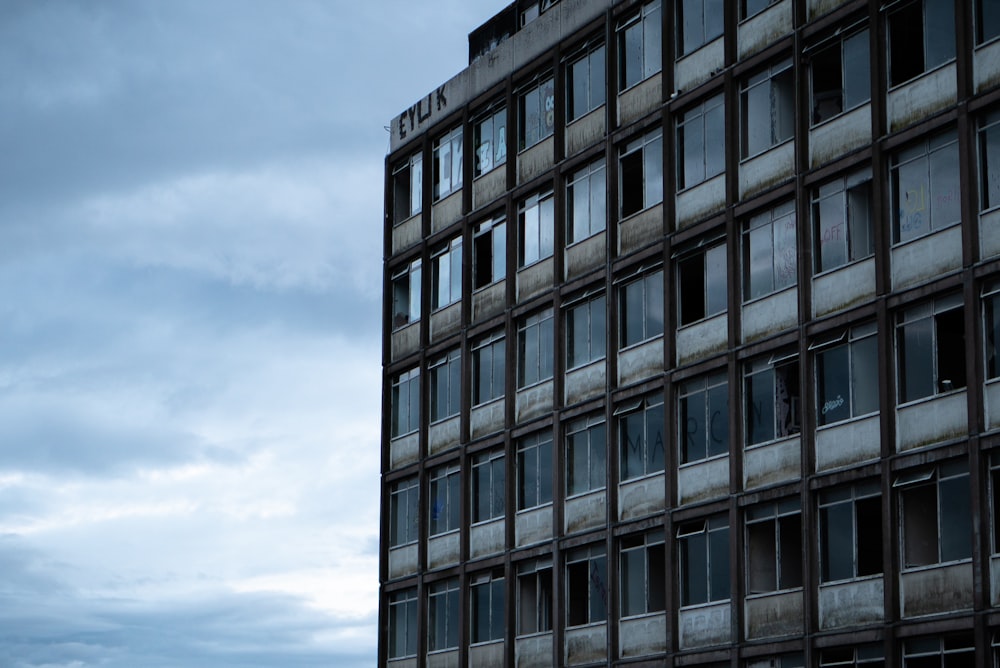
x=709, y=137
x=405, y=599
x=410, y=379
x=405, y=282
x=781, y=428
x=444, y=516
x=924, y=150
x=651, y=410
x=648, y=20
x=536, y=112
x=593, y=430
x=535, y=465
x=705, y=9
x=534, y=597
x=448, y=156
x=494, y=232
x=704, y=385
x=407, y=184
x=593, y=307
x=981, y=35
x=445, y=594
x=990, y=300
x=987, y=128
x=445, y=370
x=536, y=348
x=642, y=566
x=940, y=23
x=494, y=465
x=491, y=586
x=860, y=77
x=652, y=312
x=778, y=79
x=592, y=180
x=535, y=224
x=710, y=296
x=494, y=343
x=404, y=529
x=596, y=587
x=446, y=274
x=785, y=518
x=777, y=226
x=858, y=234
x=852, y=339
x=495, y=119
x=941, y=354
x=861, y=500
x=922, y=484
x=593, y=56
x=716, y=564
x=649, y=149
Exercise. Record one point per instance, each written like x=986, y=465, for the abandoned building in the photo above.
x=692, y=311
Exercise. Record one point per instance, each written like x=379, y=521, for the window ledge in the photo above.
x=642, y=615
x=904, y=84
x=487, y=173
x=838, y=116
x=402, y=547
x=772, y=147
x=583, y=495
x=948, y=226
x=846, y=421
x=400, y=437
x=639, y=344
x=482, y=523
x=928, y=399
x=764, y=444
x=827, y=272
x=588, y=625
x=488, y=402
x=770, y=294
x=697, y=462
x=931, y=567
x=598, y=108
x=862, y=578
x=708, y=604
x=640, y=82
x=449, y=532
x=541, y=506
x=776, y=592
x=707, y=318
x=703, y=45
x=535, y=634
x=641, y=478
x=529, y=386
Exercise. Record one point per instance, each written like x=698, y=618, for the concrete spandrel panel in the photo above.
x=446, y=212
x=404, y=450
x=986, y=66
x=915, y=100
x=640, y=230
x=774, y=615
x=702, y=339
x=533, y=526
x=446, y=321
x=699, y=65
x=406, y=234
x=487, y=655
x=443, y=550
x=487, y=418
x=640, y=100
x=534, y=401
x=854, y=603
x=767, y=170
x=587, y=511
x=402, y=560
x=586, y=131
x=585, y=382
x=840, y=135
x=489, y=301
x=995, y=580
x=405, y=341
x=534, y=651
x=771, y=314
x=586, y=644
x=642, y=636
x=989, y=233
x=642, y=497
x=533, y=161
x=772, y=463
x=848, y=443
x=820, y=7
x=848, y=286
x=764, y=28
x=700, y=201
x=490, y=186
x=586, y=256
x=704, y=480
x=486, y=538
x=446, y=659
x=704, y=625
x=640, y=362
x=939, y=418
x=403, y=663
x=991, y=401
x=927, y=257
x=936, y=590
x=535, y=279
x=444, y=435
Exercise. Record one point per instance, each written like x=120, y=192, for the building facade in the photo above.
x=690, y=350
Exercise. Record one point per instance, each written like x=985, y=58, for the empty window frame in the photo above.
x=770, y=254
x=586, y=202
x=702, y=283
x=448, y=158
x=586, y=586
x=536, y=228
x=703, y=418
x=701, y=142
x=536, y=113
x=987, y=21
x=935, y=515
x=446, y=385
x=407, y=178
x=586, y=455
x=406, y=294
x=442, y=615
x=921, y=37
x=926, y=193
x=703, y=552
x=953, y=650
x=767, y=108
x=698, y=22
x=585, y=86
x=446, y=274
x=486, y=607
x=488, y=486
x=847, y=374
x=489, y=138
x=534, y=470
x=640, y=45
x=774, y=549
x=534, y=596
x=930, y=342
x=640, y=167
x=586, y=331
x=850, y=532
x=991, y=328
x=641, y=309
x=403, y=512
x=403, y=623
x=994, y=489
x=839, y=73
x=489, y=253
x=640, y=429
x=445, y=500
x=868, y=655
x=405, y=403
x=488, y=355
x=535, y=340
x=643, y=574
x=842, y=220
x=989, y=158
x=772, y=399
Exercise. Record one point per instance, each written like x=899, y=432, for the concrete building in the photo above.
x=690, y=351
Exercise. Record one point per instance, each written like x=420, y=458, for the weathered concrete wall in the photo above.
x=851, y=603
x=535, y=279
x=767, y=169
x=446, y=321
x=534, y=401
x=444, y=435
x=926, y=257
x=533, y=161
x=641, y=99
x=586, y=131
x=408, y=233
x=489, y=301
x=405, y=341
x=586, y=256
x=770, y=464
x=932, y=420
x=991, y=404
x=935, y=590
x=489, y=186
x=764, y=28
x=487, y=655
x=638, y=498
x=820, y=7
x=841, y=135
x=640, y=362
x=487, y=418
x=533, y=526
x=640, y=230
x=848, y=443
x=486, y=539
x=700, y=201
x=446, y=212
x=642, y=636
x=995, y=580
x=585, y=512
x=447, y=659
x=845, y=287
x=443, y=550
x=986, y=67
x=774, y=615
x=404, y=450
x=698, y=66
x=918, y=99
x=534, y=651
x=704, y=625
x=403, y=561
x=403, y=663
x=989, y=232
x=586, y=644
x=703, y=480
x=586, y=382
x=769, y=315
x=702, y=339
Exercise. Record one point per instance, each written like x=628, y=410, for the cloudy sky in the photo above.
x=190, y=248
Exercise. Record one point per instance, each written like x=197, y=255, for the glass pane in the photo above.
x=833, y=383
x=761, y=258
x=940, y=18
x=859, y=217
x=716, y=284
x=655, y=450
x=651, y=46
x=917, y=360
x=653, y=158
x=864, y=375
x=654, y=304
x=719, y=563
x=633, y=582
x=857, y=70
x=785, y=252
x=956, y=519
x=760, y=407
x=831, y=232
x=715, y=137
x=836, y=538
x=762, y=572
x=912, y=205
x=694, y=569
x=945, y=202
x=718, y=420
x=597, y=84
x=692, y=419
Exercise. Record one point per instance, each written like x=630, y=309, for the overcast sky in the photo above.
x=190, y=249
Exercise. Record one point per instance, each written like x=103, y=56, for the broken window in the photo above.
x=446, y=274
x=770, y=254
x=641, y=307
x=534, y=596
x=445, y=500
x=534, y=349
x=407, y=178
x=847, y=374
x=403, y=623
x=534, y=470
x=850, y=532
x=868, y=655
x=926, y=193
x=774, y=550
x=703, y=551
x=921, y=37
x=703, y=418
x=702, y=283
x=488, y=354
x=930, y=340
x=640, y=425
x=536, y=113
x=585, y=88
x=586, y=586
x=442, y=615
x=586, y=331
x=489, y=253
x=406, y=294
x=842, y=220
x=767, y=110
x=936, y=514
x=489, y=137
x=956, y=649
x=840, y=76
x=987, y=21
x=643, y=574
x=586, y=202
x=639, y=45
x=405, y=400
x=488, y=486
x=586, y=455
x=403, y=512
x=486, y=603
x=772, y=398
x=536, y=228
x=641, y=173
x=448, y=164
x=701, y=142
x=446, y=385
x=989, y=159
x=699, y=22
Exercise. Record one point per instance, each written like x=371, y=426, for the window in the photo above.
x=534, y=349
x=702, y=283
x=406, y=294
x=488, y=368
x=641, y=305
x=869, y=655
x=770, y=256
x=703, y=418
x=699, y=22
x=405, y=414
x=921, y=37
x=987, y=20
x=489, y=137
x=991, y=323
x=448, y=164
x=534, y=10
x=750, y=7
x=774, y=549
x=847, y=375
x=772, y=399
x=994, y=486
x=842, y=220
x=403, y=512
x=586, y=332
x=486, y=594
x=936, y=515
x=639, y=46
x=643, y=563
x=536, y=113
x=989, y=159
x=586, y=586
x=641, y=173
x=446, y=384
x=850, y=532
x=840, y=76
x=585, y=89
x=403, y=624
x=445, y=500
x=956, y=649
x=586, y=202
x=446, y=274
x=641, y=436
x=488, y=486
x=586, y=455
x=930, y=339
x=768, y=108
x=701, y=142
x=703, y=551
x=534, y=470
x=442, y=615
x=489, y=253
x=925, y=187
x=534, y=596
x=536, y=228
x=407, y=178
